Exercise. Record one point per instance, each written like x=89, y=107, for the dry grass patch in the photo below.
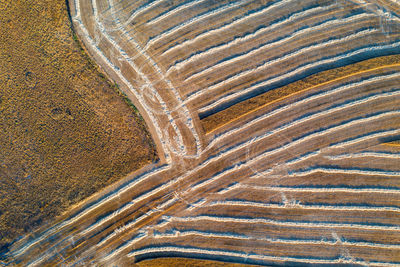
x=66, y=132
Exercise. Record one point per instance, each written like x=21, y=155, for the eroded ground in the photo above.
x=65, y=131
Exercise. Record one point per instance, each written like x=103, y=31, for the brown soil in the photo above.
x=66, y=132
x=234, y=112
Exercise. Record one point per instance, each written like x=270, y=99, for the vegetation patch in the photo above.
x=66, y=131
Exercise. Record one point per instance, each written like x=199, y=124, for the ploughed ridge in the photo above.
x=277, y=123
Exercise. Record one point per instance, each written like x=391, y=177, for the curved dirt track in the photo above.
x=310, y=179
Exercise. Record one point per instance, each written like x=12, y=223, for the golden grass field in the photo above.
x=66, y=132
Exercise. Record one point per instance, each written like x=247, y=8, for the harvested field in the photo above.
x=182, y=262
x=65, y=131
x=239, y=110
x=311, y=178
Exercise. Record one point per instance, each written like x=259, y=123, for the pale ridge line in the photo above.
x=124, y=80
x=109, y=198
x=299, y=206
x=364, y=138
x=220, y=175
x=86, y=211
x=77, y=5
x=126, y=227
x=293, y=241
x=306, y=100
x=270, y=45
x=192, y=21
x=236, y=148
x=134, y=67
x=193, y=96
x=281, y=223
x=318, y=152
x=379, y=12
x=344, y=171
x=217, y=158
x=131, y=242
x=311, y=117
x=173, y=11
x=136, y=13
x=186, y=113
x=286, y=146
x=129, y=205
x=297, y=122
x=177, y=233
x=131, y=224
x=237, y=167
x=288, y=56
x=303, y=158
x=228, y=27
x=315, y=189
x=213, y=252
x=221, y=47
x=364, y=155
x=196, y=204
x=189, y=122
x=358, y=140
x=278, y=78
x=74, y=219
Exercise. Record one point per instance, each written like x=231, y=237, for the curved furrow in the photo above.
x=159, y=72
x=298, y=211
x=186, y=112
x=136, y=13
x=325, y=151
x=119, y=74
x=225, y=100
x=310, y=116
x=286, y=247
x=191, y=21
x=332, y=170
x=289, y=182
x=241, y=257
x=330, y=130
x=213, y=48
x=173, y=12
x=328, y=225
x=299, y=68
x=229, y=173
x=321, y=114
x=182, y=233
x=305, y=120
x=352, y=197
x=279, y=41
x=365, y=154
